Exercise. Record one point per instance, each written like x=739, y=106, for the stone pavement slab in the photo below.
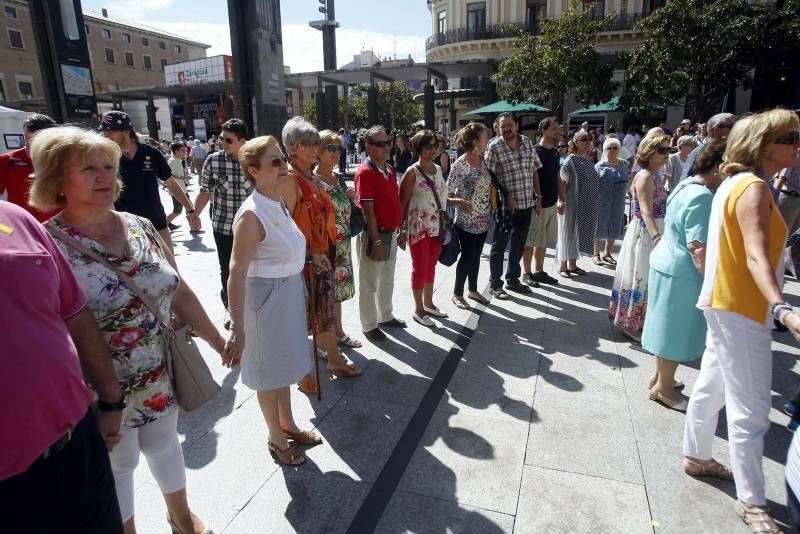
x=544, y=426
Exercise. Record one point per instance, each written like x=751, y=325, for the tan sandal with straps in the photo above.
x=712, y=469
x=758, y=519
x=290, y=456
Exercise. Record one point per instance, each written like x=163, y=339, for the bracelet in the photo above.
x=111, y=406
x=778, y=307
x=377, y=243
x=657, y=236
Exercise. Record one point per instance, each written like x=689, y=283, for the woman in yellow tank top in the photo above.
x=741, y=294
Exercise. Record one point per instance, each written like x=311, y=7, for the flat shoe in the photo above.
x=499, y=294
x=565, y=274
x=459, y=302
x=348, y=371
x=519, y=288
x=578, y=271
x=424, y=320
x=679, y=405
x=436, y=312
x=596, y=260
x=347, y=341
x=288, y=456
x=758, y=519
x=711, y=469
x=305, y=437
x=393, y=323
x=609, y=260
x=480, y=299
x=676, y=384
x=304, y=387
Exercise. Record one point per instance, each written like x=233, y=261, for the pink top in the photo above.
x=42, y=392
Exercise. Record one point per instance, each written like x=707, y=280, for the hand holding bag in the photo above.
x=191, y=377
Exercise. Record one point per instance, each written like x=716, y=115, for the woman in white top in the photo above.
x=266, y=297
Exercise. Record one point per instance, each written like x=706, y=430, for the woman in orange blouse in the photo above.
x=314, y=214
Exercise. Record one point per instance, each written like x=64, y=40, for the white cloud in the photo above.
x=302, y=45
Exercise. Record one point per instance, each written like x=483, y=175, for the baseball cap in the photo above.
x=116, y=121
x=686, y=121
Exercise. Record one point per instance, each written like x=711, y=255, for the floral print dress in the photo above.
x=345, y=286
x=132, y=331
x=423, y=214
x=629, y=293
x=465, y=181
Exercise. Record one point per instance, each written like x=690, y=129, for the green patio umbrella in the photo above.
x=606, y=107
x=504, y=106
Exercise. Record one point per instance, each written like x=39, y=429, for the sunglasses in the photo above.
x=229, y=140
x=278, y=162
x=612, y=148
x=333, y=148
x=562, y=146
x=663, y=150
x=430, y=146
x=380, y=144
x=792, y=138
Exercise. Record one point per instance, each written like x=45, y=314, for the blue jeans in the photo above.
x=520, y=222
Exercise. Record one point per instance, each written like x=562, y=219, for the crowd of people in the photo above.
x=698, y=275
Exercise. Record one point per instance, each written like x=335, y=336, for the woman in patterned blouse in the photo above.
x=77, y=170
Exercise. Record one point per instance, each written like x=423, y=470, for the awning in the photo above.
x=615, y=106
x=503, y=106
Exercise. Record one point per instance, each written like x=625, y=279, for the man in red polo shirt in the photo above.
x=379, y=199
x=16, y=168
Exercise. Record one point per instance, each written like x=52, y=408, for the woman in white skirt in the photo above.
x=266, y=297
x=648, y=206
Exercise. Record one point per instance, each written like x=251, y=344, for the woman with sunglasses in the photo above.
x=314, y=214
x=341, y=196
x=266, y=299
x=418, y=186
x=648, y=207
x=613, y=171
x=579, y=182
x=741, y=299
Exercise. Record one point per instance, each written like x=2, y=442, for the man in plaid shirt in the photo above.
x=223, y=182
x=513, y=160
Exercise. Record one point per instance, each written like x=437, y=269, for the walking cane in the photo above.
x=312, y=290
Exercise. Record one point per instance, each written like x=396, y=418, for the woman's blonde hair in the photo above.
x=251, y=152
x=53, y=150
x=648, y=147
x=329, y=137
x=750, y=136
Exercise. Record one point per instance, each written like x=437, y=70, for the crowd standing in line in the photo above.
x=283, y=224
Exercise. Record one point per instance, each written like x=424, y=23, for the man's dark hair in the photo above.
x=504, y=115
x=237, y=127
x=38, y=121
x=177, y=145
x=710, y=156
x=547, y=122
x=372, y=132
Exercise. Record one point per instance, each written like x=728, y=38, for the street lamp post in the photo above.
x=328, y=106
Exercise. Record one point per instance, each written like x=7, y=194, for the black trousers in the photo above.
x=469, y=261
x=71, y=491
x=342, y=162
x=794, y=507
x=520, y=222
x=224, y=250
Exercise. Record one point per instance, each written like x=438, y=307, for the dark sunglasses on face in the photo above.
x=228, y=140
x=381, y=144
x=663, y=150
x=278, y=162
x=333, y=148
x=792, y=138
x=562, y=146
x=430, y=146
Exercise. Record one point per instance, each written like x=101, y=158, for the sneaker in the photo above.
x=528, y=279
x=544, y=278
x=790, y=408
x=173, y=227
x=375, y=335
x=517, y=287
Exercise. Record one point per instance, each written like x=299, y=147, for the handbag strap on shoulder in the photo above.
x=432, y=185
x=133, y=286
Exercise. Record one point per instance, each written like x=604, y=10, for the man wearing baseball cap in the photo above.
x=140, y=167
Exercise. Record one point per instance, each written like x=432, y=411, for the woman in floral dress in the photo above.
x=76, y=169
x=345, y=288
x=649, y=203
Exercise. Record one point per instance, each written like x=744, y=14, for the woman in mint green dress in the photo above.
x=674, y=328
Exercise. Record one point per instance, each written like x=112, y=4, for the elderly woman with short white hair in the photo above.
x=613, y=171
x=677, y=161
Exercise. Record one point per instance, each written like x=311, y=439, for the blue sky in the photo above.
x=387, y=28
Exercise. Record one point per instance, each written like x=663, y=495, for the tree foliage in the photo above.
x=702, y=50
x=562, y=58
x=397, y=109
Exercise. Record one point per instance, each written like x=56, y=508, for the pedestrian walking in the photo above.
x=469, y=179
x=77, y=169
x=176, y=166
x=648, y=204
x=511, y=157
x=741, y=298
x=223, y=183
x=266, y=295
x=198, y=155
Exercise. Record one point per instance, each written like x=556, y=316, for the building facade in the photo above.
x=123, y=54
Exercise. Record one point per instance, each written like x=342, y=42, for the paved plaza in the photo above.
x=527, y=416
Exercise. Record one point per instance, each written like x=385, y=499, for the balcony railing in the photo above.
x=618, y=22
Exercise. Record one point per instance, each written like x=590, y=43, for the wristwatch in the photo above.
x=191, y=210
x=112, y=406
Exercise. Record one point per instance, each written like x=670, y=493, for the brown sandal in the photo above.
x=711, y=469
x=309, y=387
x=288, y=456
x=347, y=371
x=758, y=519
x=304, y=437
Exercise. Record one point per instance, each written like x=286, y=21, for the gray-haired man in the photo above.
x=719, y=126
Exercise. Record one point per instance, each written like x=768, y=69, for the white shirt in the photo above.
x=282, y=253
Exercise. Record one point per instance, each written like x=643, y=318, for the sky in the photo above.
x=379, y=25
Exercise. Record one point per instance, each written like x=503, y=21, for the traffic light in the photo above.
x=324, y=8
